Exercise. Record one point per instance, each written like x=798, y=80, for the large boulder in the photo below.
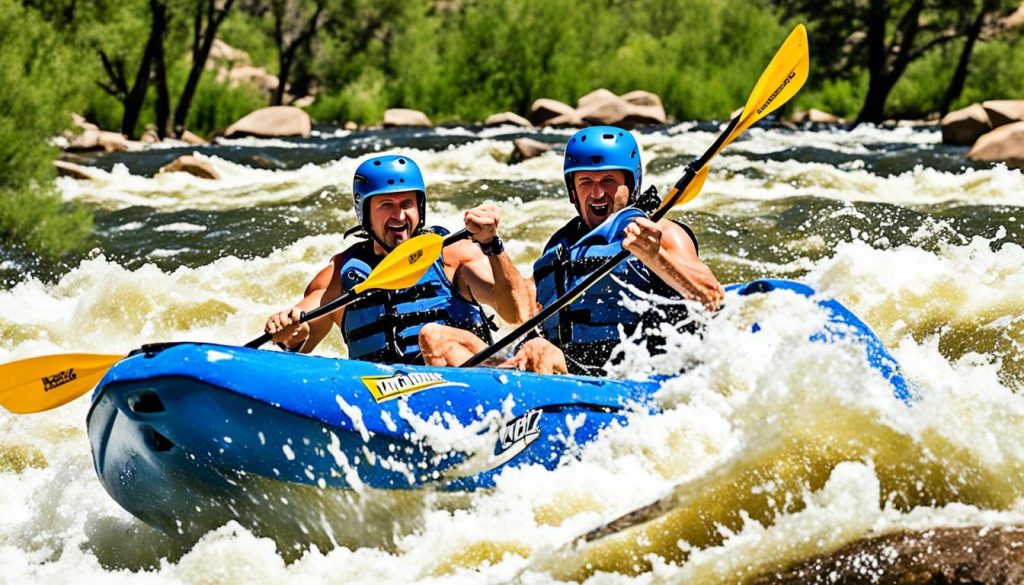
x=1004, y=144
x=604, y=107
x=406, y=117
x=963, y=127
x=815, y=116
x=191, y=165
x=275, y=121
x=1003, y=112
x=507, y=118
x=527, y=148
x=544, y=109
x=113, y=141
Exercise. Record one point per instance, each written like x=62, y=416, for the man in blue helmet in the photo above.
x=603, y=175
x=387, y=326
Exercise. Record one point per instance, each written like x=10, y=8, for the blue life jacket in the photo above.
x=587, y=330
x=383, y=326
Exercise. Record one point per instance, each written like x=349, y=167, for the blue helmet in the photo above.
x=601, y=148
x=391, y=173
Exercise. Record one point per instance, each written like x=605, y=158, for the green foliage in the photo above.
x=38, y=93
x=997, y=72
x=216, y=105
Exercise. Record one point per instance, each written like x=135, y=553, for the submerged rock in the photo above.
x=527, y=148
x=940, y=556
x=191, y=165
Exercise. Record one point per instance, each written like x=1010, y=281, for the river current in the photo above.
x=775, y=448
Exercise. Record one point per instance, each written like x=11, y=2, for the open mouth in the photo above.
x=397, y=228
x=600, y=210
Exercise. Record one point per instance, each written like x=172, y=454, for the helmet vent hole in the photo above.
x=583, y=138
x=391, y=181
x=401, y=161
x=376, y=163
x=608, y=136
x=596, y=159
x=401, y=180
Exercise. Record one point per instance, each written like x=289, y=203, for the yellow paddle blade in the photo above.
x=41, y=383
x=405, y=265
x=695, y=185
x=785, y=75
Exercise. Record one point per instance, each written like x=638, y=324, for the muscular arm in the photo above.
x=495, y=281
x=669, y=252
x=325, y=287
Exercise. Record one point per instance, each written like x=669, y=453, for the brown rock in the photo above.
x=189, y=138
x=604, y=107
x=89, y=139
x=544, y=109
x=70, y=169
x=149, y=137
x=815, y=116
x=640, y=97
x=191, y=165
x=1003, y=112
x=406, y=117
x=944, y=555
x=304, y=101
x=113, y=141
x=80, y=122
x=257, y=77
x=274, y=121
x=963, y=127
x=507, y=118
x=527, y=148
x=1004, y=144
x=221, y=51
x=351, y=126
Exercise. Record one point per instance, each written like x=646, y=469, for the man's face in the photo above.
x=600, y=194
x=393, y=216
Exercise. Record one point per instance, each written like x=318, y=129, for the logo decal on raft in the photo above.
x=59, y=379
x=777, y=91
x=400, y=384
x=516, y=435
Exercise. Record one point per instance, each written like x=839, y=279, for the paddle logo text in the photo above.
x=415, y=256
x=516, y=435
x=777, y=91
x=400, y=384
x=59, y=379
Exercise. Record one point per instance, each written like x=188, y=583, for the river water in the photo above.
x=775, y=448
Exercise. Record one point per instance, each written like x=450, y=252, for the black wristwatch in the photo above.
x=492, y=248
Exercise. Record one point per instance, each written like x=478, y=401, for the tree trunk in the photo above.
x=874, y=101
x=163, y=98
x=137, y=96
x=287, y=48
x=202, y=42
x=956, y=84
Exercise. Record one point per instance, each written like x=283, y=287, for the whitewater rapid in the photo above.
x=771, y=448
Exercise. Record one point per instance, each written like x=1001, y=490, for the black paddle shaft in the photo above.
x=344, y=299
x=558, y=304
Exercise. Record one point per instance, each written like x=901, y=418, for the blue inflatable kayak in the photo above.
x=186, y=436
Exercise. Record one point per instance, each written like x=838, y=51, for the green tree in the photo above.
x=34, y=107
